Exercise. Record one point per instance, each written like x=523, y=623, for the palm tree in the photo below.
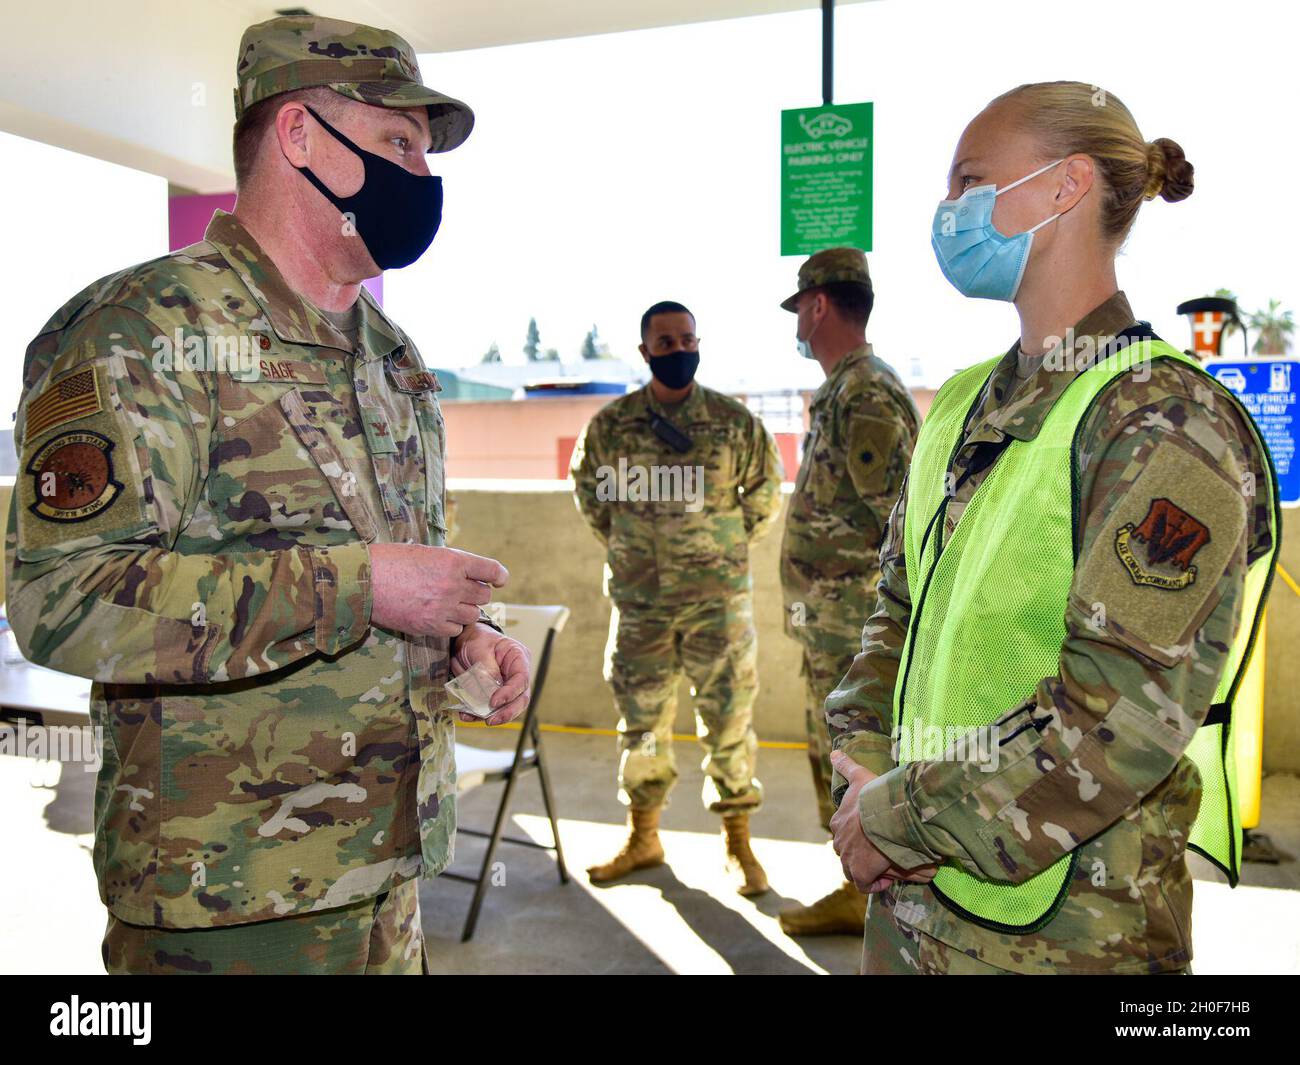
x=1273, y=328
x=1229, y=326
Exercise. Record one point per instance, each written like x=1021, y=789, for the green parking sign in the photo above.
x=826, y=178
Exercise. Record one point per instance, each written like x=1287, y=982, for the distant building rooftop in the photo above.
x=548, y=376
x=457, y=387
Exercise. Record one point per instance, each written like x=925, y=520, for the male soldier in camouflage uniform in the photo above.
x=230, y=516
x=1092, y=762
x=677, y=506
x=863, y=424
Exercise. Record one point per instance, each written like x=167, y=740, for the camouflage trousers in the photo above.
x=823, y=668
x=378, y=936
x=893, y=948
x=714, y=643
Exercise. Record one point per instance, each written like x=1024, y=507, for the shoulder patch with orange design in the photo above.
x=73, y=477
x=1158, y=551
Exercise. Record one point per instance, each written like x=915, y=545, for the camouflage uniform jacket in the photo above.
x=195, y=540
x=664, y=545
x=1095, y=760
x=863, y=425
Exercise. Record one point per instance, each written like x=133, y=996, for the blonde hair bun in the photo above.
x=1071, y=117
x=1171, y=175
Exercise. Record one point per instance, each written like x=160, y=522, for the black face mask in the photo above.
x=676, y=370
x=396, y=213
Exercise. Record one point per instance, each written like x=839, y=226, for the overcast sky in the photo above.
x=608, y=172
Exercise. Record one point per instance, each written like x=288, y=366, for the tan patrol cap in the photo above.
x=828, y=266
x=359, y=62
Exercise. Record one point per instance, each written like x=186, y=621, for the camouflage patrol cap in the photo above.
x=359, y=62
x=828, y=266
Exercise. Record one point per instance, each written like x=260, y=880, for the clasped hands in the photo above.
x=438, y=591
x=864, y=864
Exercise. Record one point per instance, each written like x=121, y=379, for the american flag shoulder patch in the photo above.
x=75, y=396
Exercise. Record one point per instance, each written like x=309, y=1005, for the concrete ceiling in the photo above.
x=452, y=25
x=148, y=83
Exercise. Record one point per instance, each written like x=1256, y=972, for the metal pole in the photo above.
x=828, y=51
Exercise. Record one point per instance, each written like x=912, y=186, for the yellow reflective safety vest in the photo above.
x=988, y=620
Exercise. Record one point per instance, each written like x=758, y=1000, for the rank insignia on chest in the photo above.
x=73, y=477
x=1159, y=550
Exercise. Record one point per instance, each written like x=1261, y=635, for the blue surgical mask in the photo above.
x=804, y=345
x=979, y=261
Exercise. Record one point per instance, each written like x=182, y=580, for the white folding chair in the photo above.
x=536, y=628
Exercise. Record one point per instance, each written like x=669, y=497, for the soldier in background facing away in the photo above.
x=863, y=425
x=677, y=481
x=230, y=516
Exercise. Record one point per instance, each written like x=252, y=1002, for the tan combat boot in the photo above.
x=739, y=857
x=842, y=912
x=641, y=851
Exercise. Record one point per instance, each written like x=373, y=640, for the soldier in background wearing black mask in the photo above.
x=677, y=481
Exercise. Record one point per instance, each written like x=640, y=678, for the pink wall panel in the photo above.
x=188, y=218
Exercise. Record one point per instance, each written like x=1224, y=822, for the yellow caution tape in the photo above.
x=1291, y=583
x=582, y=730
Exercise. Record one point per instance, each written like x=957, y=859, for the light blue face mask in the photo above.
x=978, y=260
x=804, y=347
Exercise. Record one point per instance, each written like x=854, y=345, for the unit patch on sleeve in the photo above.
x=72, y=477
x=1159, y=550
x=76, y=396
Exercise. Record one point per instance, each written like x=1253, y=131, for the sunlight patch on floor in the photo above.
x=51, y=919
x=798, y=872
x=1244, y=930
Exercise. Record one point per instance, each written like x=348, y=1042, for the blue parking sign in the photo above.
x=1268, y=389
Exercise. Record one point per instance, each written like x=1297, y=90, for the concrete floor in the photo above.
x=680, y=918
